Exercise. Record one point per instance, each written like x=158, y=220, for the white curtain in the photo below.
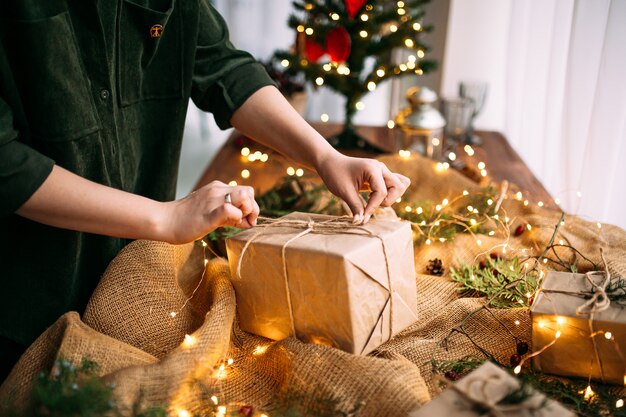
x=563, y=71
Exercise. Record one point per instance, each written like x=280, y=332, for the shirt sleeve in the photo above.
x=22, y=169
x=224, y=77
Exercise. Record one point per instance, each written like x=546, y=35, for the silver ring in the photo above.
x=228, y=199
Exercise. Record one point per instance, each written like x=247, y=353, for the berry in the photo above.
x=452, y=376
x=495, y=272
x=494, y=255
x=515, y=359
x=519, y=230
x=246, y=410
x=522, y=348
x=482, y=264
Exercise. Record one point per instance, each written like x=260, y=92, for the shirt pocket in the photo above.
x=149, y=52
x=50, y=78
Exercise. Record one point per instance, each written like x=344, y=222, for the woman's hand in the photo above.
x=206, y=209
x=346, y=176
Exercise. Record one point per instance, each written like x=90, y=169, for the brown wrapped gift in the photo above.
x=480, y=394
x=563, y=322
x=352, y=287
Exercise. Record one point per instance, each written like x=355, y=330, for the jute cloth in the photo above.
x=129, y=328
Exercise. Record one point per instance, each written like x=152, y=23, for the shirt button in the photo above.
x=104, y=94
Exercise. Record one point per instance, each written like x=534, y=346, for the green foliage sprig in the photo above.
x=504, y=281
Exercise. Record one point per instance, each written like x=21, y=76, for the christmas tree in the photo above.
x=346, y=45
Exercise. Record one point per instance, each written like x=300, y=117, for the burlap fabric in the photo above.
x=128, y=327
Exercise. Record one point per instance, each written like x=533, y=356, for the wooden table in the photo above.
x=503, y=163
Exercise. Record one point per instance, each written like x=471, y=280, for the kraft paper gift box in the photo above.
x=341, y=285
x=573, y=352
x=483, y=392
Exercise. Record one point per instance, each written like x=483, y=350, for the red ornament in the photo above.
x=353, y=6
x=519, y=230
x=313, y=51
x=338, y=44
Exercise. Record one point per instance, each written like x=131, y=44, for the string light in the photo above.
x=245, y=151
x=619, y=403
x=309, y=31
x=403, y=67
x=221, y=409
x=436, y=141
x=291, y=171
x=214, y=399
x=380, y=72
x=324, y=118
x=245, y=173
x=608, y=335
x=404, y=154
x=182, y=413
x=409, y=43
x=589, y=393
x=364, y=17
x=400, y=4
x=284, y=63
x=363, y=34
x=468, y=150
x=371, y=86
x=189, y=339
x=360, y=105
x=540, y=204
x=299, y=172
x=401, y=12
x=452, y=156
x=393, y=28
x=417, y=26
x=391, y=124
x=232, y=183
x=334, y=16
x=319, y=81
x=259, y=350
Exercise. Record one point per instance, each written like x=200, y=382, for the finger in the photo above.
x=395, y=187
x=252, y=217
x=225, y=215
x=243, y=199
x=378, y=194
x=355, y=203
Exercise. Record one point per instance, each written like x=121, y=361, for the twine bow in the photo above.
x=480, y=397
x=336, y=225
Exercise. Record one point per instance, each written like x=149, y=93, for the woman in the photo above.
x=93, y=97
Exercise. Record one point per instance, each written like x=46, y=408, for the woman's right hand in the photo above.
x=206, y=209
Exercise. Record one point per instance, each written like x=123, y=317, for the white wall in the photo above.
x=476, y=49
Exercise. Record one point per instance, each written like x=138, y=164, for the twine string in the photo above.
x=333, y=226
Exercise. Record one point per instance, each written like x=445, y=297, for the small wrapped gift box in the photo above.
x=324, y=280
x=579, y=332
x=489, y=391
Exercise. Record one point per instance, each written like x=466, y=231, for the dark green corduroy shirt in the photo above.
x=86, y=86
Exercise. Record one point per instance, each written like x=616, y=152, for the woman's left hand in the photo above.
x=345, y=176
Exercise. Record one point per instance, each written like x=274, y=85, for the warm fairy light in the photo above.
x=517, y=369
x=173, y=314
x=529, y=227
x=206, y=261
x=411, y=58
x=408, y=209
x=557, y=334
x=472, y=277
x=327, y=67
x=479, y=242
x=483, y=172
x=468, y=150
x=428, y=241
x=391, y=124
x=540, y=204
x=438, y=207
x=252, y=158
x=470, y=208
x=380, y=72
x=403, y=67
x=221, y=409
x=437, y=223
x=491, y=233
x=204, y=244
x=445, y=165
x=245, y=151
x=608, y=335
x=420, y=54
x=481, y=165
x=220, y=373
x=545, y=260
x=410, y=65
x=401, y=12
x=364, y=17
x=308, y=6
x=324, y=117
x=579, y=194
x=599, y=225
x=436, y=141
x=465, y=192
x=360, y=105
x=506, y=219
x=230, y=361
x=291, y=171
x=561, y=241
x=309, y=31
x=263, y=415
x=400, y=3
x=259, y=350
x=319, y=81
x=445, y=202
x=245, y=173
x=518, y=195
x=452, y=156
x=473, y=222
x=214, y=399
x=562, y=222
x=399, y=200
x=189, y=339
x=409, y=43
x=442, y=239
x=417, y=26
x=557, y=201
x=284, y=63
x=232, y=183
x=300, y=28
x=525, y=202
x=517, y=322
x=495, y=216
x=541, y=324
x=619, y=403
x=419, y=71
x=560, y=320
x=419, y=210
x=299, y=172
x=404, y=154
x=490, y=202
x=393, y=28
x=589, y=393
x=334, y=16
x=183, y=413
x=363, y=34
x=371, y=86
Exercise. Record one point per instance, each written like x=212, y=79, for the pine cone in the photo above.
x=435, y=267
